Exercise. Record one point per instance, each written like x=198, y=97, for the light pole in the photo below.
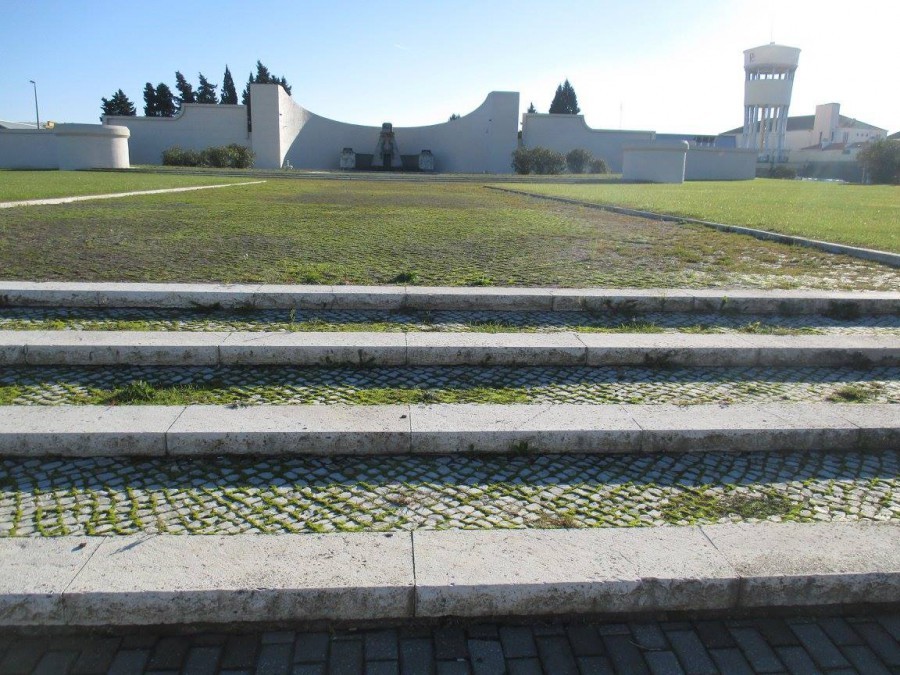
x=37, y=115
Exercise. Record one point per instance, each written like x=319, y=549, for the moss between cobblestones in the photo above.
x=695, y=505
x=856, y=393
x=483, y=326
x=106, y=496
x=366, y=386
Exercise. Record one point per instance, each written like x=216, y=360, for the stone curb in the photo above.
x=177, y=348
x=117, y=195
x=201, y=430
x=207, y=579
x=422, y=298
x=883, y=257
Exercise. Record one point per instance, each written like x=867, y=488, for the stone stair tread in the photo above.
x=164, y=579
x=264, y=296
x=442, y=428
x=42, y=347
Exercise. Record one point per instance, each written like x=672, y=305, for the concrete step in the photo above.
x=441, y=429
x=164, y=579
x=105, y=348
x=396, y=298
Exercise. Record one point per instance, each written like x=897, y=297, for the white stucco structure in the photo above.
x=655, y=162
x=195, y=127
x=563, y=133
x=91, y=146
x=66, y=146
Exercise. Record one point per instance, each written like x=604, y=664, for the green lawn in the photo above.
x=861, y=215
x=19, y=185
x=377, y=232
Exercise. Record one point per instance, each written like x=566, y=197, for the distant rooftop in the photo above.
x=17, y=125
x=806, y=122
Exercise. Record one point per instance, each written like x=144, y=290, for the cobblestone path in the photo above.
x=283, y=320
x=226, y=495
x=443, y=384
x=792, y=644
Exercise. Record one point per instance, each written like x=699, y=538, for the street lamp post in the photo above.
x=37, y=115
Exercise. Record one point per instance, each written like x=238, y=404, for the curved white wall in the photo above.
x=91, y=146
x=196, y=127
x=568, y=132
x=481, y=142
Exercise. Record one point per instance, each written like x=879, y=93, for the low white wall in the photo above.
x=66, y=146
x=27, y=149
x=716, y=164
x=481, y=142
x=655, y=162
x=91, y=146
x=197, y=126
x=568, y=132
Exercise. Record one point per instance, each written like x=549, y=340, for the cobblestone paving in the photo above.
x=796, y=643
x=284, y=320
x=229, y=495
x=587, y=385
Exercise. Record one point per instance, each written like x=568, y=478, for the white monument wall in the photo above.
x=482, y=141
x=655, y=162
x=27, y=149
x=568, y=132
x=196, y=127
x=720, y=164
x=66, y=146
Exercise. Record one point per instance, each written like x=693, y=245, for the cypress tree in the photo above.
x=150, y=107
x=165, y=101
x=206, y=92
x=229, y=93
x=119, y=104
x=185, y=89
x=565, y=102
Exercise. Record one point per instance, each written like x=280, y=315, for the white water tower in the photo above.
x=769, y=78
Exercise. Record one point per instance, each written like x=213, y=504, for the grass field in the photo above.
x=19, y=185
x=370, y=232
x=861, y=215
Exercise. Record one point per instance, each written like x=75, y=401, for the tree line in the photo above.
x=161, y=101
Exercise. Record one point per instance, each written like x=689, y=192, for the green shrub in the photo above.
x=548, y=161
x=782, y=171
x=521, y=161
x=598, y=165
x=881, y=161
x=578, y=160
x=538, y=160
x=232, y=156
x=176, y=156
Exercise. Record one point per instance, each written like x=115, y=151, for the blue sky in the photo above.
x=667, y=65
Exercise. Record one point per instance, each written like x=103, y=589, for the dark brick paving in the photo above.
x=796, y=645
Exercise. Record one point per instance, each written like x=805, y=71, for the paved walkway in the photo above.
x=116, y=195
x=796, y=644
